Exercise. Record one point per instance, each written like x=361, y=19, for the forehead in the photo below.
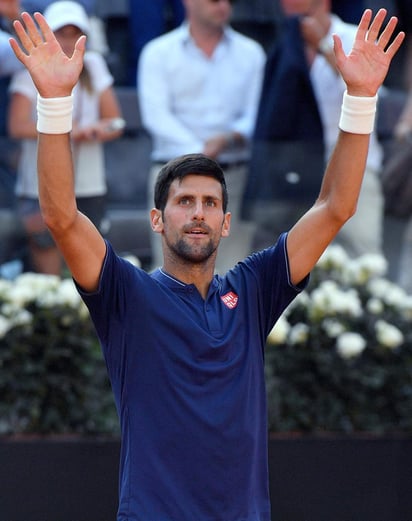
x=198, y=185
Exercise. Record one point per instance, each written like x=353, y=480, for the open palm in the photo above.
x=366, y=66
x=53, y=72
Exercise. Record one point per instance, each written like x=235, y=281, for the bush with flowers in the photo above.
x=340, y=357
x=52, y=375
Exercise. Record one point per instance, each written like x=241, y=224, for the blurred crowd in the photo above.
x=251, y=83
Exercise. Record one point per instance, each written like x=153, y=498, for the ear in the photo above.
x=156, y=220
x=226, y=225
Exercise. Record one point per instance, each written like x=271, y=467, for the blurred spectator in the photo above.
x=403, y=132
x=96, y=119
x=297, y=127
x=198, y=88
x=10, y=236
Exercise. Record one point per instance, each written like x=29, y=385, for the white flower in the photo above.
x=387, y=291
x=366, y=267
x=333, y=257
x=329, y=300
x=299, y=333
x=21, y=295
x=65, y=294
x=68, y=294
x=279, y=332
x=350, y=345
x=375, y=306
x=302, y=300
x=332, y=327
x=22, y=318
x=388, y=335
x=38, y=281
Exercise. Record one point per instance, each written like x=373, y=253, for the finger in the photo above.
x=338, y=48
x=24, y=39
x=376, y=25
x=387, y=33
x=44, y=26
x=20, y=55
x=364, y=25
x=79, y=48
x=31, y=29
x=394, y=46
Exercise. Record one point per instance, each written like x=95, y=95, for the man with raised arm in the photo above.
x=184, y=347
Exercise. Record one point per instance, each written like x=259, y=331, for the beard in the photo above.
x=194, y=254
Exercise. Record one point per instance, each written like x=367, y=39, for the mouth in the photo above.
x=198, y=231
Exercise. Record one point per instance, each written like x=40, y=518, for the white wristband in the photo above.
x=358, y=114
x=54, y=115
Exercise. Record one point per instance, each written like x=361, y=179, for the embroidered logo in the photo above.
x=230, y=300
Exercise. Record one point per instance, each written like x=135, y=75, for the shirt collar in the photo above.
x=175, y=284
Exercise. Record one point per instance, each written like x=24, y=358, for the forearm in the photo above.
x=56, y=183
x=343, y=176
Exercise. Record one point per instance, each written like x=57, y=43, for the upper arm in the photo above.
x=83, y=249
x=309, y=238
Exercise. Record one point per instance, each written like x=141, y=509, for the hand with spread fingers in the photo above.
x=365, y=68
x=53, y=72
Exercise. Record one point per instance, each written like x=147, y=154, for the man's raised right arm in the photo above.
x=55, y=76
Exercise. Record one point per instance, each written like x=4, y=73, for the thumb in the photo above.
x=79, y=48
x=338, y=48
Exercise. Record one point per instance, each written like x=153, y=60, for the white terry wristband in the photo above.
x=358, y=114
x=54, y=115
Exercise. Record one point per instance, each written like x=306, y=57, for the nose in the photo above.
x=198, y=211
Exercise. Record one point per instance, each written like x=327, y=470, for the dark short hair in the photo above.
x=180, y=167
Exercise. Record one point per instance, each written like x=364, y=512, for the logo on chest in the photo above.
x=230, y=300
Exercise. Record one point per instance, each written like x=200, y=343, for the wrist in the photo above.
x=54, y=115
x=358, y=114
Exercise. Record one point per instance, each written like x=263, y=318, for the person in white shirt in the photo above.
x=95, y=120
x=198, y=89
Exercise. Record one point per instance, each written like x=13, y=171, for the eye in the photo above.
x=184, y=201
x=211, y=203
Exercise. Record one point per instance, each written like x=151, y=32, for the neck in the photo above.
x=206, y=37
x=198, y=274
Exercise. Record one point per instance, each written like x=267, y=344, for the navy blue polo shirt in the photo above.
x=188, y=381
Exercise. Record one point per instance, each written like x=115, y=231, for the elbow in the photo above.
x=58, y=223
x=342, y=213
